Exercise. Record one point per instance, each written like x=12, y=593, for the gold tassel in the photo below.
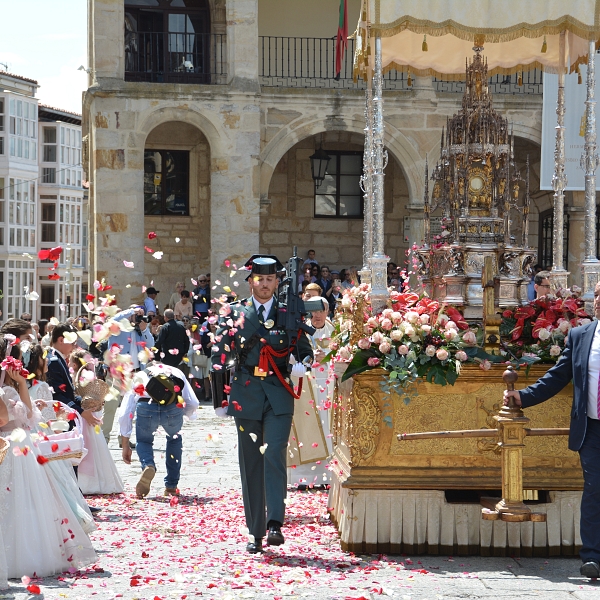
x=579, y=78
x=409, y=81
x=424, y=47
x=520, y=78
x=544, y=46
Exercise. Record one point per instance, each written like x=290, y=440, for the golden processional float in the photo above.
x=423, y=484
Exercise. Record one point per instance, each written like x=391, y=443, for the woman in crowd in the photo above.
x=176, y=295
x=41, y=395
x=350, y=278
x=97, y=472
x=41, y=534
x=184, y=307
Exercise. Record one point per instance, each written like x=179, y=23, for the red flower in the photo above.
x=152, y=235
x=507, y=314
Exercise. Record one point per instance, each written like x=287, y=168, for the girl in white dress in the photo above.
x=41, y=535
x=41, y=394
x=97, y=472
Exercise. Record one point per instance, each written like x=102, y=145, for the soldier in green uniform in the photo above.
x=249, y=343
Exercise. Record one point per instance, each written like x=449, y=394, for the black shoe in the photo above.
x=275, y=537
x=254, y=547
x=590, y=569
x=94, y=510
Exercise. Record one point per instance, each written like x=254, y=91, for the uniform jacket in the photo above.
x=249, y=393
x=572, y=365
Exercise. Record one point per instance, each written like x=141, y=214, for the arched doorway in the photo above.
x=176, y=205
x=329, y=219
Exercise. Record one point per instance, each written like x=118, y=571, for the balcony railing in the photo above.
x=175, y=57
x=532, y=83
x=310, y=63
x=300, y=62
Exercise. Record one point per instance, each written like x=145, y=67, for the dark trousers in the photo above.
x=590, y=502
x=264, y=476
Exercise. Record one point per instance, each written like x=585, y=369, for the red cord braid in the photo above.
x=266, y=356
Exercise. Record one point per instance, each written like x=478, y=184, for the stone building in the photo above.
x=42, y=204
x=200, y=119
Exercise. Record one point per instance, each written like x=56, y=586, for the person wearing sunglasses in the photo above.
x=201, y=297
x=541, y=284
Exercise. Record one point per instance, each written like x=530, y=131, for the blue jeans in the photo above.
x=149, y=417
x=590, y=502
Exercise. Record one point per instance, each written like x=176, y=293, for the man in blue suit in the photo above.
x=580, y=363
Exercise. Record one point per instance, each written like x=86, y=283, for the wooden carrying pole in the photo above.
x=511, y=432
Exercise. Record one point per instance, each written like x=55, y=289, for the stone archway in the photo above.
x=182, y=224
x=289, y=215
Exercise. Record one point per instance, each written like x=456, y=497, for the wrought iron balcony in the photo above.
x=168, y=57
x=300, y=62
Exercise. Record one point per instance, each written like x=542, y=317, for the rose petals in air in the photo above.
x=152, y=235
x=54, y=276
x=33, y=589
x=263, y=448
x=128, y=264
x=158, y=255
x=42, y=460
x=253, y=436
x=227, y=263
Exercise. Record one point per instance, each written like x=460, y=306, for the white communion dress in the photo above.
x=62, y=469
x=41, y=534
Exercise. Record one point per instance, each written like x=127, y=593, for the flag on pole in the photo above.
x=341, y=43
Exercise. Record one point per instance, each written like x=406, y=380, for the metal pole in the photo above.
x=559, y=179
x=367, y=183
x=589, y=164
x=379, y=293
x=68, y=278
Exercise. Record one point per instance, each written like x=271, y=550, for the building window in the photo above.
x=22, y=126
x=21, y=275
x=48, y=222
x=545, y=236
x=47, y=294
x=166, y=182
x=340, y=195
x=1, y=114
x=48, y=175
x=49, y=144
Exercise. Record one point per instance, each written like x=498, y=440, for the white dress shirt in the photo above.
x=593, y=373
x=268, y=304
x=130, y=399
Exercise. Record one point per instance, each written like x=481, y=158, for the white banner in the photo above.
x=575, y=95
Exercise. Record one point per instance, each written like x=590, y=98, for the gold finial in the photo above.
x=544, y=46
x=424, y=47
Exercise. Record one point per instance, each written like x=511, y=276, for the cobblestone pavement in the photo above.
x=158, y=549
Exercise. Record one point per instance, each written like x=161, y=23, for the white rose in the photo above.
x=470, y=338
x=386, y=313
x=442, y=354
x=461, y=355
x=411, y=316
x=377, y=337
x=424, y=319
x=430, y=350
x=409, y=331
x=345, y=354
x=396, y=317
x=372, y=322
x=396, y=335
x=555, y=350
x=403, y=349
x=386, y=324
x=385, y=347
x=426, y=328
x=564, y=326
x=346, y=302
x=451, y=325
x=544, y=334
x=364, y=343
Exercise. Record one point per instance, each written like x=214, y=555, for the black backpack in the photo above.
x=164, y=388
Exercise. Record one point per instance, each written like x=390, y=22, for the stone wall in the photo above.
x=287, y=215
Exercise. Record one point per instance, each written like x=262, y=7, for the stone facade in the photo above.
x=250, y=182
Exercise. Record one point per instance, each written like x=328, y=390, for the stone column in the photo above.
x=106, y=47
x=242, y=45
